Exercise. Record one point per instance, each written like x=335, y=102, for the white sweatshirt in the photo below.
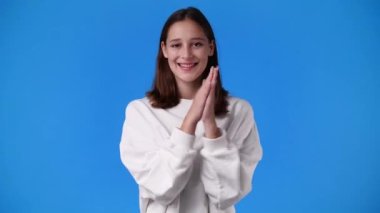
x=182, y=173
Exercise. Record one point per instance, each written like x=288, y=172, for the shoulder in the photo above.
x=138, y=105
x=238, y=105
x=240, y=118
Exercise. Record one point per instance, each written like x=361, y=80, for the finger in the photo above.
x=208, y=110
x=205, y=89
x=212, y=87
x=215, y=75
x=211, y=95
x=210, y=74
x=207, y=82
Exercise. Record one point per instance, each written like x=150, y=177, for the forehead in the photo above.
x=185, y=30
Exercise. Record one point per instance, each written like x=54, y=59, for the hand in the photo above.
x=197, y=108
x=208, y=116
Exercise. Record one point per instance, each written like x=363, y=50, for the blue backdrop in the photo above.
x=309, y=68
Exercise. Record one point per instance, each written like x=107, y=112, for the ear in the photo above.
x=212, y=48
x=163, y=48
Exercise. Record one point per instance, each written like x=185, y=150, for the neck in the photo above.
x=187, y=90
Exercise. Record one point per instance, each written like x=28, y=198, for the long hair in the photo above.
x=164, y=93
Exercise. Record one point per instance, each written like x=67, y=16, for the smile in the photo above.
x=187, y=66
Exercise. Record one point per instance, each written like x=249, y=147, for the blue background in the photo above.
x=309, y=68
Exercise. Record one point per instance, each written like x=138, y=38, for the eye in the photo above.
x=198, y=44
x=175, y=45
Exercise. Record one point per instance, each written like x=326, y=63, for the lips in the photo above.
x=187, y=66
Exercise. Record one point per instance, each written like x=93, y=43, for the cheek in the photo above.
x=172, y=60
x=203, y=54
x=172, y=52
x=172, y=56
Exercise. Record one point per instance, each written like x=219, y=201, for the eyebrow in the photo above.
x=192, y=39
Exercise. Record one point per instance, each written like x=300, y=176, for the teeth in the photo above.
x=187, y=65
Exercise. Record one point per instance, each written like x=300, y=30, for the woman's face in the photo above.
x=187, y=50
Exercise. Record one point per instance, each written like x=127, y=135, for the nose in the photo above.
x=186, y=52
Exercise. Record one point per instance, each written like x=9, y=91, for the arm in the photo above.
x=160, y=165
x=161, y=171
x=229, y=161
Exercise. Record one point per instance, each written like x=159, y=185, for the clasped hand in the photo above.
x=203, y=107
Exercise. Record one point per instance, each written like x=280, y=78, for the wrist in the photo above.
x=211, y=130
x=212, y=133
x=210, y=124
x=189, y=125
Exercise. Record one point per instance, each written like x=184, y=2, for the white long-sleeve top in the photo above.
x=182, y=173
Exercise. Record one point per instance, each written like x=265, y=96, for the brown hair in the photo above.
x=164, y=92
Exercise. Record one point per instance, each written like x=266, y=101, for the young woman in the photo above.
x=189, y=146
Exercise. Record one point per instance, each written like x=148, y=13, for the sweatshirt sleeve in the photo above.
x=161, y=165
x=230, y=160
